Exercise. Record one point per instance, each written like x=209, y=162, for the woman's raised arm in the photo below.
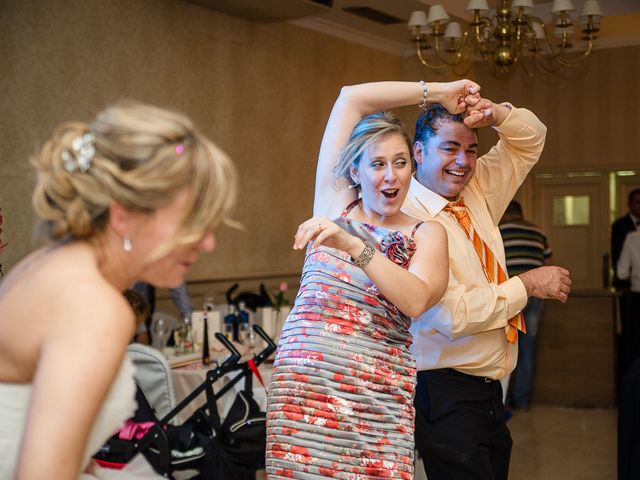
x=354, y=102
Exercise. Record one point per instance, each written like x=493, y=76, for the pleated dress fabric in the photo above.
x=341, y=391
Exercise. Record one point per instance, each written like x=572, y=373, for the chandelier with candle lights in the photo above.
x=512, y=36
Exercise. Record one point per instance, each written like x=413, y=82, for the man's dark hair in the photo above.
x=430, y=120
x=633, y=193
x=514, y=209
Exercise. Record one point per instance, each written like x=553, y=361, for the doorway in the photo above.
x=576, y=209
x=572, y=210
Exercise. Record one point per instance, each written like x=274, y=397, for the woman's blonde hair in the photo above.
x=369, y=129
x=143, y=156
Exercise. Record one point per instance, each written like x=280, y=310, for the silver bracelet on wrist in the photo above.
x=365, y=256
x=423, y=105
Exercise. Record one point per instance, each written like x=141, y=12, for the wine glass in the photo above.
x=160, y=333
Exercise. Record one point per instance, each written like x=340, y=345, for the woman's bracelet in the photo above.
x=423, y=105
x=365, y=256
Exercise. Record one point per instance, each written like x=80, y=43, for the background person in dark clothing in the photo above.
x=525, y=247
x=619, y=231
x=180, y=297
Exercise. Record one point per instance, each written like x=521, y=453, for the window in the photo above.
x=571, y=210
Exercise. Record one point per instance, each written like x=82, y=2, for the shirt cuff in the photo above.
x=516, y=295
x=506, y=119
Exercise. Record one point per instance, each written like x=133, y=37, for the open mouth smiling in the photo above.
x=456, y=173
x=390, y=192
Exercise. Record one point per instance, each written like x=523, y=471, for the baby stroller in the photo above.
x=231, y=449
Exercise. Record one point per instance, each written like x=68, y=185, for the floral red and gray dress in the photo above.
x=341, y=392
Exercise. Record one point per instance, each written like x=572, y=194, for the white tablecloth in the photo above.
x=186, y=379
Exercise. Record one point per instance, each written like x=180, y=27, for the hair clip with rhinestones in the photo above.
x=83, y=150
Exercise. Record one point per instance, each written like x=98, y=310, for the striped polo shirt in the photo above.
x=525, y=246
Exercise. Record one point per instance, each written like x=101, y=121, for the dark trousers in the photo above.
x=460, y=429
x=522, y=376
x=629, y=424
x=629, y=339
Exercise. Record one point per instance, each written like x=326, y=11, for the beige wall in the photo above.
x=263, y=92
x=593, y=116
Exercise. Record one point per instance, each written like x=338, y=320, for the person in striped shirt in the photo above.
x=526, y=247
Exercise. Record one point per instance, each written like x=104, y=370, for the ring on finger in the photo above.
x=319, y=226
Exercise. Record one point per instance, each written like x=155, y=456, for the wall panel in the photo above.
x=261, y=91
x=593, y=115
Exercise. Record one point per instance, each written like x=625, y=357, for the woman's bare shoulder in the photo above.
x=424, y=227
x=59, y=297
x=431, y=230
x=62, y=281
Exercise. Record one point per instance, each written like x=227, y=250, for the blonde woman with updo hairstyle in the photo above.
x=341, y=392
x=134, y=196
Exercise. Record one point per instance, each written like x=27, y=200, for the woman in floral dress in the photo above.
x=341, y=393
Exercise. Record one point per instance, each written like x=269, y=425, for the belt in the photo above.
x=453, y=371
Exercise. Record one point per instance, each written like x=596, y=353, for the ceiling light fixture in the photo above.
x=512, y=36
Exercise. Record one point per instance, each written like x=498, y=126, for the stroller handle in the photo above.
x=268, y=350
x=258, y=329
x=235, y=355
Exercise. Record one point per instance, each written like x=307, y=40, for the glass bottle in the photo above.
x=178, y=338
x=229, y=320
x=207, y=306
x=206, y=359
x=187, y=339
x=245, y=328
x=252, y=334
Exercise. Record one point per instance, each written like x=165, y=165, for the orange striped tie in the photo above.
x=490, y=265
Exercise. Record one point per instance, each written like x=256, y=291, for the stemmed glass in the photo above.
x=160, y=332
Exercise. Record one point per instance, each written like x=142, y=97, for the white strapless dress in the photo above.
x=119, y=405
